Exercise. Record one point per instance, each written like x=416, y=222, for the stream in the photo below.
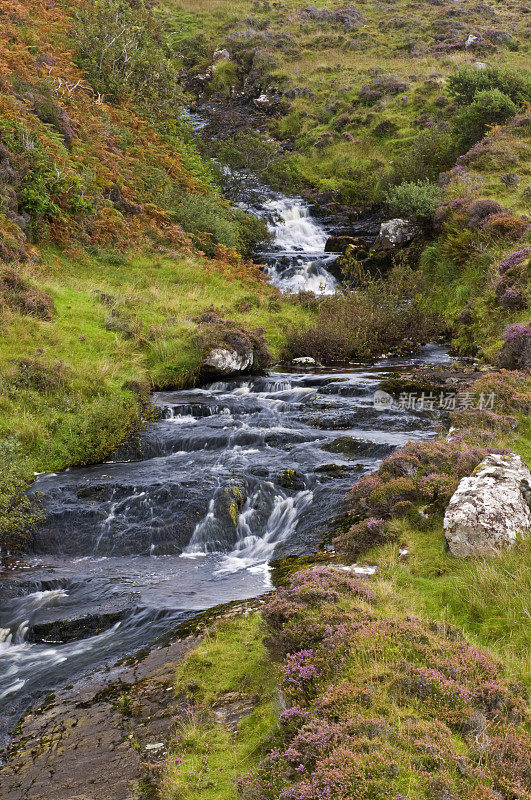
x=190, y=513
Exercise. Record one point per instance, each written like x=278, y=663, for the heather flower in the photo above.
x=361, y=537
x=518, y=331
x=300, y=676
x=514, y=259
x=516, y=350
x=437, y=486
x=293, y=717
x=446, y=698
x=512, y=299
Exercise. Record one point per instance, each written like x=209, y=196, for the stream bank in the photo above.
x=233, y=475
x=189, y=513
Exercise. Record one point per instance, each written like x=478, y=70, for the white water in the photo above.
x=297, y=261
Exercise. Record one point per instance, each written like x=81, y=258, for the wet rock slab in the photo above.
x=87, y=743
x=55, y=626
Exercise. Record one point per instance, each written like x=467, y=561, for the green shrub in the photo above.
x=416, y=201
x=123, y=49
x=210, y=221
x=468, y=81
x=432, y=152
x=490, y=107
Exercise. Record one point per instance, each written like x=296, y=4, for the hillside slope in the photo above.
x=418, y=109
x=114, y=238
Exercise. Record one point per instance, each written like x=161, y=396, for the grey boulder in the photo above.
x=396, y=233
x=489, y=508
x=225, y=360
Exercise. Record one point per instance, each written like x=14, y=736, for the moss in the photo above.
x=282, y=568
x=236, y=500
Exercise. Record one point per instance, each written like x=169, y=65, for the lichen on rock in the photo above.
x=490, y=508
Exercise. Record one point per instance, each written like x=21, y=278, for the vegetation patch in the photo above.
x=229, y=703
x=367, y=322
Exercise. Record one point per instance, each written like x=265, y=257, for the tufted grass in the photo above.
x=205, y=757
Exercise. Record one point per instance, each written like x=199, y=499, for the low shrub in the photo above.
x=416, y=201
x=429, y=154
x=468, y=81
x=17, y=294
x=361, y=537
x=39, y=376
x=124, y=50
x=516, y=350
x=506, y=226
x=383, y=316
x=211, y=221
x=489, y=107
x=511, y=389
x=480, y=210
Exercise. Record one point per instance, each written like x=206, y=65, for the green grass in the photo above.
x=333, y=63
x=487, y=598
x=206, y=756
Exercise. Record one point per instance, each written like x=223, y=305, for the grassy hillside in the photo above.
x=360, y=90
x=419, y=109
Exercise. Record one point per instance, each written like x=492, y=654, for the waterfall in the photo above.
x=296, y=261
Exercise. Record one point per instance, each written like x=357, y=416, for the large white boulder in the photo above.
x=226, y=361
x=490, y=508
x=304, y=361
x=396, y=233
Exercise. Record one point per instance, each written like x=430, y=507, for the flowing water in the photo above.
x=188, y=516
x=190, y=513
x=296, y=260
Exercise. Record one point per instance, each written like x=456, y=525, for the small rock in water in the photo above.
x=338, y=244
x=490, y=508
